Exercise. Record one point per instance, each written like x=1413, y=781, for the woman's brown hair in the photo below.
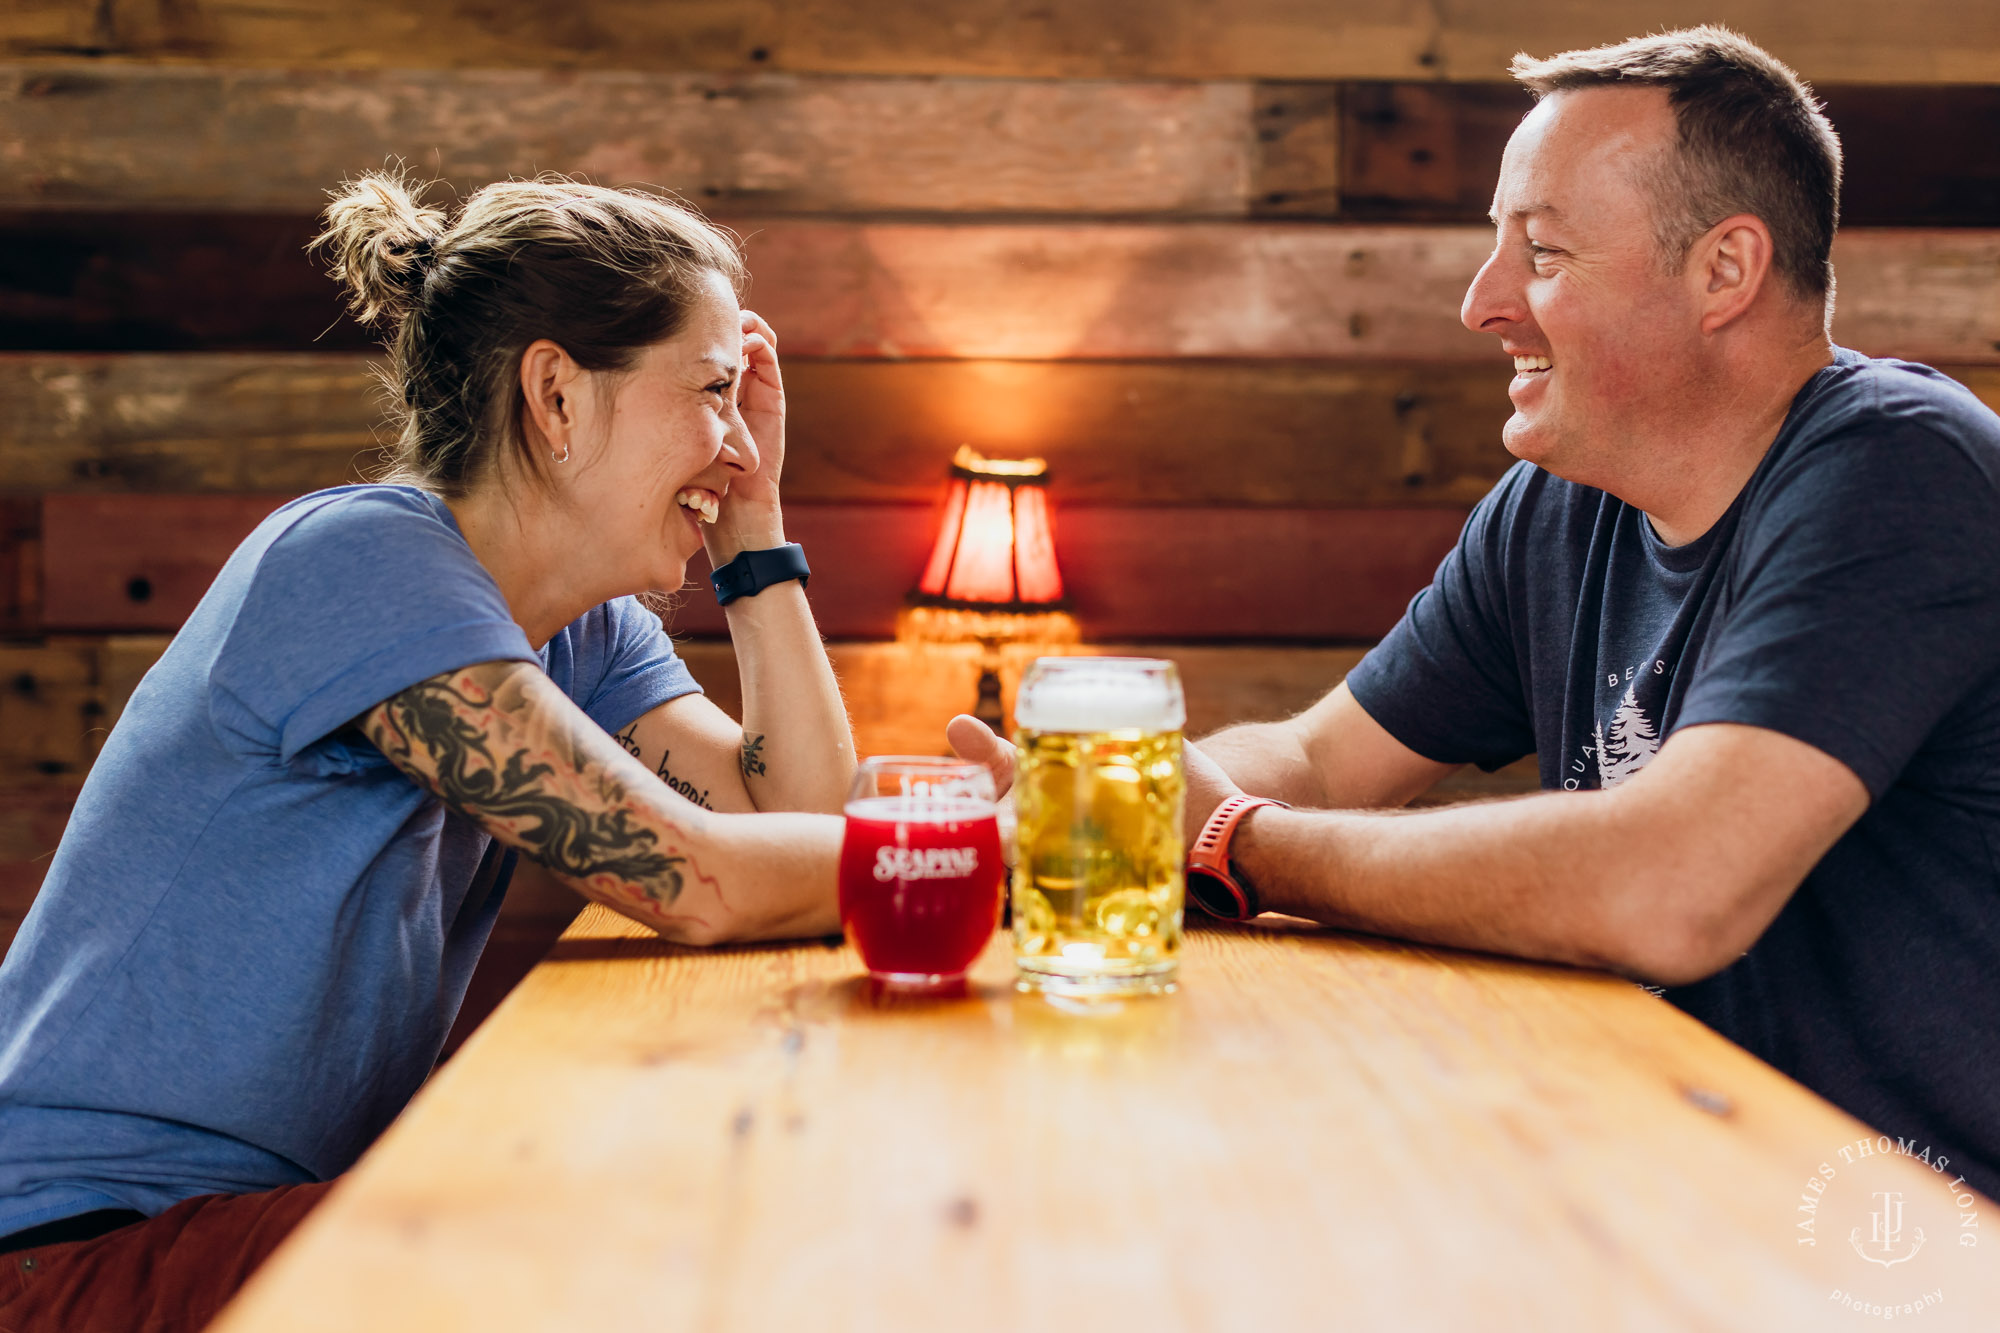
x=602, y=273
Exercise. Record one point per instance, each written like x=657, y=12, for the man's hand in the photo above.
x=1207, y=787
x=974, y=742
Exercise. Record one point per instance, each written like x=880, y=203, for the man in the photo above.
x=1742, y=598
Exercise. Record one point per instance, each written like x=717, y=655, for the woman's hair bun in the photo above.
x=380, y=240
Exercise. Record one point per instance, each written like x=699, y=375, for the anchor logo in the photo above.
x=1886, y=1232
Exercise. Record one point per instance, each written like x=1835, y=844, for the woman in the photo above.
x=276, y=883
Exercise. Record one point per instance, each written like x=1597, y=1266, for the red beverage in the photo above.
x=920, y=885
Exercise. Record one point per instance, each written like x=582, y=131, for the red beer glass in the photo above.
x=920, y=868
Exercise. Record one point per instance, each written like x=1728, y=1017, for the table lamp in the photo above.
x=992, y=576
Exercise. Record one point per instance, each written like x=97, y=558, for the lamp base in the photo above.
x=988, y=709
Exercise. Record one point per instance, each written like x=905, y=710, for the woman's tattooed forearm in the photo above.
x=752, y=757
x=474, y=743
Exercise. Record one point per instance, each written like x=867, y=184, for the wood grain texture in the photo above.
x=1300, y=433
x=143, y=137
x=1839, y=40
x=113, y=562
x=1266, y=290
x=1295, y=433
x=1316, y=1131
x=142, y=562
x=20, y=563
x=218, y=282
x=111, y=136
x=276, y=422
x=1432, y=151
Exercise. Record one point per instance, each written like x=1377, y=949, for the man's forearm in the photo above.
x=1513, y=877
x=1267, y=759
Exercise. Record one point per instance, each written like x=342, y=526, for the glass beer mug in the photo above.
x=1098, y=790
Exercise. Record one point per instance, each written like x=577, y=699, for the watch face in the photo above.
x=1215, y=895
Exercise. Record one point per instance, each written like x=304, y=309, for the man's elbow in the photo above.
x=1690, y=938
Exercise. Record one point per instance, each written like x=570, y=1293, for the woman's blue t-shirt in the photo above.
x=256, y=932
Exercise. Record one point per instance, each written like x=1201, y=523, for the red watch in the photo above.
x=1212, y=885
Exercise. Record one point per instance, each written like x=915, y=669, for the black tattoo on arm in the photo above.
x=752, y=757
x=480, y=740
x=696, y=794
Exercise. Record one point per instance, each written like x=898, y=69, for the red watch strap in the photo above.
x=1209, y=856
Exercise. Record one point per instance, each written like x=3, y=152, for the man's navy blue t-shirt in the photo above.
x=1850, y=598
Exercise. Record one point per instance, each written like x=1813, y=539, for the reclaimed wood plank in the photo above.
x=89, y=281
x=1264, y=290
x=1140, y=573
x=122, y=137
x=141, y=562
x=1027, y=291
x=1837, y=40
x=53, y=711
x=1315, y=1129
x=1295, y=433
x=1298, y=433
x=1412, y=151
x=20, y=562
x=116, y=562
x=275, y=140
x=187, y=422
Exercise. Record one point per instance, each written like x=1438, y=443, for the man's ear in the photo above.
x=549, y=383
x=1731, y=264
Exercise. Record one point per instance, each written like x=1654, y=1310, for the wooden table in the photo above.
x=1317, y=1131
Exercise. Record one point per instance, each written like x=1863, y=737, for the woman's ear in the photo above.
x=549, y=383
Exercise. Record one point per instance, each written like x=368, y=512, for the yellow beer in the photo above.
x=1099, y=788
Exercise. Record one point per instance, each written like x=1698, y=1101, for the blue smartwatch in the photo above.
x=753, y=571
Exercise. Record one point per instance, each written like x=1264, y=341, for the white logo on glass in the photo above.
x=1631, y=743
x=907, y=863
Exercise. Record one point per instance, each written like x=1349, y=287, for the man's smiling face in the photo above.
x=1606, y=343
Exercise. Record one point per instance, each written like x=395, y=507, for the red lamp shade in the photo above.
x=995, y=550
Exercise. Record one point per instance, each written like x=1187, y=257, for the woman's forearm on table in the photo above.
x=502, y=745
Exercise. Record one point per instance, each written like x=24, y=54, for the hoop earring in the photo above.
x=565, y=454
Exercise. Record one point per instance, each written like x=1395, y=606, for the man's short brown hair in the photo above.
x=1752, y=140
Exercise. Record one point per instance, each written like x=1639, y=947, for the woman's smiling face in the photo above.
x=659, y=443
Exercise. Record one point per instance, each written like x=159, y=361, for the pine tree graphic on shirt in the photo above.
x=1631, y=744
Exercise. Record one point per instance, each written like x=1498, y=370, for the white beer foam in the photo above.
x=919, y=809
x=1080, y=699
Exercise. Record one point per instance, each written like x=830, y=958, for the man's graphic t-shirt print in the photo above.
x=1629, y=745
x=1625, y=742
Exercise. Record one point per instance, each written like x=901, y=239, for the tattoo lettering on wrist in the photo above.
x=752, y=758
x=684, y=787
x=475, y=739
x=628, y=739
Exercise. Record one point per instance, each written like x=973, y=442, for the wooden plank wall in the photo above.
x=1207, y=259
